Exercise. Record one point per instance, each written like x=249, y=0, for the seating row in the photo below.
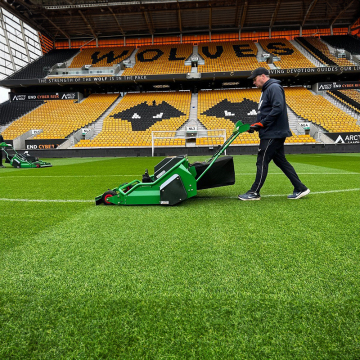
x=59, y=118
x=39, y=68
x=289, y=56
x=320, y=50
x=101, y=57
x=221, y=109
x=234, y=56
x=164, y=59
x=318, y=110
x=11, y=111
x=133, y=120
x=347, y=42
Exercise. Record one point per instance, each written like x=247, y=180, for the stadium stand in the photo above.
x=138, y=114
x=319, y=111
x=40, y=67
x=101, y=57
x=350, y=98
x=229, y=56
x=59, y=118
x=347, y=42
x=161, y=59
x=321, y=51
x=289, y=56
x=132, y=121
x=221, y=109
x=11, y=111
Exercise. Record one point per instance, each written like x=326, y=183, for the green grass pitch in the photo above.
x=210, y=278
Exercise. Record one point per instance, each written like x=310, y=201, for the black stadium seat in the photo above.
x=38, y=68
x=346, y=42
x=11, y=111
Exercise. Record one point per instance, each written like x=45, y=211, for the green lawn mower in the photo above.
x=24, y=160
x=176, y=180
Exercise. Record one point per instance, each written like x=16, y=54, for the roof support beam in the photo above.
x=237, y=13
x=210, y=17
x=357, y=18
x=117, y=21
x=56, y=27
x=273, y=18
x=87, y=23
x=244, y=13
x=308, y=12
x=76, y=5
x=148, y=20
x=341, y=11
x=179, y=16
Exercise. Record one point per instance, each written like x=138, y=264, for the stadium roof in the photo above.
x=89, y=19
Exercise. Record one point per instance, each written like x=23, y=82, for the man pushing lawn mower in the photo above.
x=273, y=127
x=17, y=160
x=176, y=180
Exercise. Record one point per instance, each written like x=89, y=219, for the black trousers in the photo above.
x=273, y=149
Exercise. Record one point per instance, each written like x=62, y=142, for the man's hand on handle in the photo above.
x=255, y=127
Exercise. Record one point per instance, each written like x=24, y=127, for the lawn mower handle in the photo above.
x=239, y=128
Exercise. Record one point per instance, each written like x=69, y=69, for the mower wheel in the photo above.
x=107, y=195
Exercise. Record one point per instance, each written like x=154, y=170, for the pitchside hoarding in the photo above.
x=45, y=96
x=43, y=144
x=345, y=138
x=338, y=85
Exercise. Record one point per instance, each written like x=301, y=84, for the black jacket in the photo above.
x=272, y=111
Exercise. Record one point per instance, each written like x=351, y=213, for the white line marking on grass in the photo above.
x=44, y=200
x=200, y=197
x=61, y=176
x=307, y=173
x=277, y=195
x=321, y=192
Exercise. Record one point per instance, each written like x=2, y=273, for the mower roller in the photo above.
x=21, y=160
x=176, y=180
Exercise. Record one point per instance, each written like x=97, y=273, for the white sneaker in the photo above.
x=298, y=194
